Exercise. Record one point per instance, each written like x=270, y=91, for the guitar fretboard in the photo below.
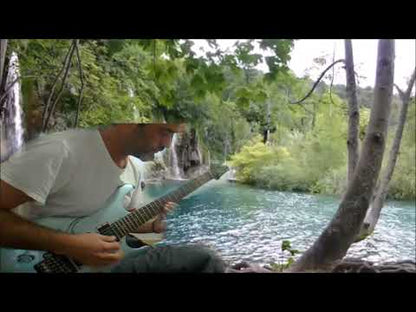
x=131, y=222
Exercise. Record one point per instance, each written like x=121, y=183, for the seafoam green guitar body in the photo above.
x=20, y=260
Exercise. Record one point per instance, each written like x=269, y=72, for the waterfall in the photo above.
x=201, y=161
x=11, y=118
x=159, y=156
x=175, y=171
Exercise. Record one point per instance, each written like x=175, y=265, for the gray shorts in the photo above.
x=171, y=259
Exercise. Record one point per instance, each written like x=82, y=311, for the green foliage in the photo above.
x=297, y=161
x=224, y=97
x=281, y=266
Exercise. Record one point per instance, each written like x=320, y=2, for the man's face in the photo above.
x=154, y=138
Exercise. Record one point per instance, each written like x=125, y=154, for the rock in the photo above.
x=350, y=265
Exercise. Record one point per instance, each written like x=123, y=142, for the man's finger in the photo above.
x=107, y=238
x=111, y=257
x=111, y=247
x=169, y=207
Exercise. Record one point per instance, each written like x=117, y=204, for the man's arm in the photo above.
x=17, y=232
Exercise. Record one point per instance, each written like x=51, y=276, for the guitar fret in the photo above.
x=144, y=215
x=156, y=209
x=158, y=204
x=145, y=212
x=150, y=209
x=152, y=212
x=137, y=214
x=118, y=230
x=126, y=224
x=121, y=224
x=174, y=195
x=123, y=228
x=133, y=221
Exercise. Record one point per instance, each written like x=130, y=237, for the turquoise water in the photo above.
x=247, y=224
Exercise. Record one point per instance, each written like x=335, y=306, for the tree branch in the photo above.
x=316, y=83
x=380, y=193
x=404, y=96
x=82, y=83
x=45, y=111
x=401, y=93
x=11, y=85
x=332, y=82
x=68, y=66
x=3, y=49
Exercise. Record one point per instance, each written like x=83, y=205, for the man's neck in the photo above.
x=114, y=146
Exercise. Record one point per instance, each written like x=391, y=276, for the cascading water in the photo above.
x=175, y=171
x=11, y=118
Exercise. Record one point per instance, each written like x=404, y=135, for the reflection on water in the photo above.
x=247, y=224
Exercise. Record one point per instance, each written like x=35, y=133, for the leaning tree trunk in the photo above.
x=3, y=49
x=332, y=245
x=379, y=198
x=354, y=113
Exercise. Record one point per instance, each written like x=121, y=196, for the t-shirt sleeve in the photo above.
x=35, y=169
x=134, y=199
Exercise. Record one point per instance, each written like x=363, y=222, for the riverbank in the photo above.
x=263, y=186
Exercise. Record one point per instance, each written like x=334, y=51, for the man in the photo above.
x=72, y=173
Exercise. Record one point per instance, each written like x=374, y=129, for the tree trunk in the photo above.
x=82, y=84
x=314, y=116
x=332, y=245
x=377, y=204
x=266, y=130
x=354, y=113
x=3, y=49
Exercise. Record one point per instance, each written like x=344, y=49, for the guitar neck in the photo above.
x=132, y=221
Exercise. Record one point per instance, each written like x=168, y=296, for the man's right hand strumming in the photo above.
x=92, y=249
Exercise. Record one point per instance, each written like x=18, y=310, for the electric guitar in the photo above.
x=115, y=220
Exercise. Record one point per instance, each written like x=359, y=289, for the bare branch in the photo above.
x=11, y=85
x=332, y=81
x=401, y=93
x=291, y=107
x=380, y=193
x=404, y=95
x=3, y=48
x=45, y=111
x=319, y=79
x=154, y=58
x=411, y=84
x=82, y=83
x=68, y=66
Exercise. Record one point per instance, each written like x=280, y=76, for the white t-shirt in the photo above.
x=69, y=173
